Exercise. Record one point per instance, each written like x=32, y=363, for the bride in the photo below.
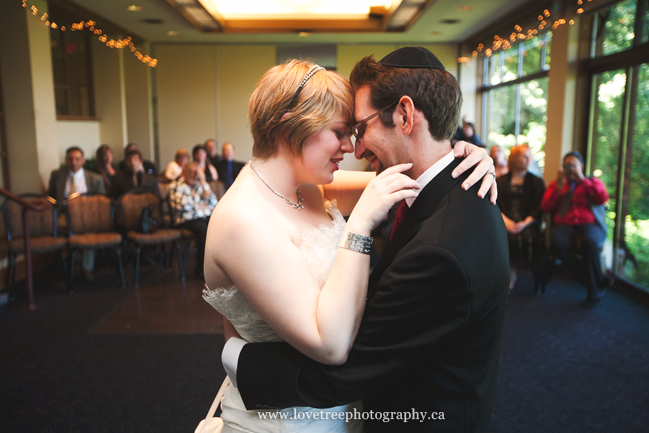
x=273, y=265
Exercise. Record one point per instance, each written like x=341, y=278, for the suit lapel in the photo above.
x=422, y=208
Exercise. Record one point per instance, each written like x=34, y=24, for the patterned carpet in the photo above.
x=563, y=368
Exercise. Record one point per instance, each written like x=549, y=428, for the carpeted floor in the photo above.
x=563, y=368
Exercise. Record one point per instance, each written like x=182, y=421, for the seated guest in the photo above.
x=212, y=151
x=228, y=168
x=500, y=162
x=570, y=199
x=519, y=199
x=149, y=167
x=467, y=133
x=175, y=167
x=133, y=176
x=192, y=202
x=200, y=157
x=104, y=160
x=74, y=179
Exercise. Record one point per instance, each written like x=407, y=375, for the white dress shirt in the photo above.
x=79, y=183
x=232, y=349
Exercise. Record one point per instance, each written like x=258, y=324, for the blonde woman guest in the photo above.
x=175, y=168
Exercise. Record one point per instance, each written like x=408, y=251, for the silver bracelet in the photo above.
x=356, y=242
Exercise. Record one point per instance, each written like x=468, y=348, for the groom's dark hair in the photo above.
x=434, y=92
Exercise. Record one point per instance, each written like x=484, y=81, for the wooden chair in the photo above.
x=89, y=218
x=42, y=231
x=131, y=205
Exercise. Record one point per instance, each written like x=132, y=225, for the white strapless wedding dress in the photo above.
x=319, y=246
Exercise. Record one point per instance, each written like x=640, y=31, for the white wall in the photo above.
x=81, y=133
x=203, y=92
x=110, y=96
x=239, y=68
x=139, y=106
x=28, y=97
x=186, y=97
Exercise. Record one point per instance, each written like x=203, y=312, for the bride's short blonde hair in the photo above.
x=276, y=116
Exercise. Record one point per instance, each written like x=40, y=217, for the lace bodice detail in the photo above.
x=319, y=247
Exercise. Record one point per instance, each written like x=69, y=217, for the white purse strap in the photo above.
x=216, y=403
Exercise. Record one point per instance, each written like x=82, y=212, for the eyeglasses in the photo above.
x=358, y=130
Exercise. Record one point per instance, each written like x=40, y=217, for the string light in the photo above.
x=500, y=43
x=90, y=25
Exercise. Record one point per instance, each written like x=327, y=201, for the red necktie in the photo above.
x=398, y=217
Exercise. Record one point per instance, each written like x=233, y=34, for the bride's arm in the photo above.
x=348, y=185
x=275, y=277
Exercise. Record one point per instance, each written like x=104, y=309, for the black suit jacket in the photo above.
x=148, y=166
x=222, y=169
x=431, y=332
x=123, y=182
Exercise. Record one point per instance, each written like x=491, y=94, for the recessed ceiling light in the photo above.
x=134, y=8
x=172, y=33
x=304, y=34
x=465, y=8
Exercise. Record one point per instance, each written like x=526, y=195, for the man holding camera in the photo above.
x=577, y=235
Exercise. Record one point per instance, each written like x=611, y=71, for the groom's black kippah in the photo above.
x=412, y=57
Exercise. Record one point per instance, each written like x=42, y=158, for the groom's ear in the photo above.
x=405, y=114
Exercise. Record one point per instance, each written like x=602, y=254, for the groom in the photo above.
x=430, y=336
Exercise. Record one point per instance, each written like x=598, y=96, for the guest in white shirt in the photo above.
x=74, y=179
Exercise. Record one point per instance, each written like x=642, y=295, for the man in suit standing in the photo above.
x=227, y=167
x=212, y=149
x=74, y=179
x=430, y=336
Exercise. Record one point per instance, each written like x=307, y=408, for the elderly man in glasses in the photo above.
x=429, y=339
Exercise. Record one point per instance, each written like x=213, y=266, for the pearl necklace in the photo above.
x=298, y=205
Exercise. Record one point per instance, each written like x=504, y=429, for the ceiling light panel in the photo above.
x=282, y=9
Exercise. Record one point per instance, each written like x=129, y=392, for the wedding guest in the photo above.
x=519, y=199
x=467, y=133
x=175, y=167
x=104, y=161
x=148, y=166
x=192, y=201
x=133, y=176
x=200, y=157
x=74, y=179
x=571, y=199
x=500, y=162
x=228, y=169
x=212, y=149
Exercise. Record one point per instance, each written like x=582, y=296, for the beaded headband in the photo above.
x=310, y=73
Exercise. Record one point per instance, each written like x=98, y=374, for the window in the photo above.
x=71, y=65
x=618, y=145
x=514, y=98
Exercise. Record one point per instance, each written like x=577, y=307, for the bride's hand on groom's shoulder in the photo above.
x=381, y=193
x=484, y=168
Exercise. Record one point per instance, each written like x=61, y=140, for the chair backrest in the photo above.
x=41, y=223
x=131, y=204
x=86, y=213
